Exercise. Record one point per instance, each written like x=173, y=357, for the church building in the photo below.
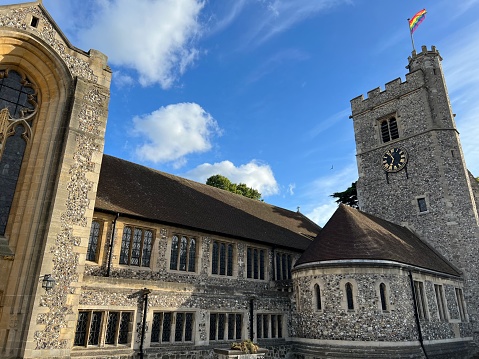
x=105, y=258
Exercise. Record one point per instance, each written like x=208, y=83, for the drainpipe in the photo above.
x=251, y=318
x=144, y=293
x=112, y=239
x=418, y=323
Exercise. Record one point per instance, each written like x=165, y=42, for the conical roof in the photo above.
x=354, y=235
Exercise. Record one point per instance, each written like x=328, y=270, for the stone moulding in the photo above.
x=238, y=354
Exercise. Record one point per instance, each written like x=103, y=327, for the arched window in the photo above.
x=317, y=295
x=383, y=296
x=349, y=295
x=18, y=101
x=389, y=130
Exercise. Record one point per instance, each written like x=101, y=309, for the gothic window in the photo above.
x=92, y=251
x=441, y=302
x=461, y=304
x=225, y=326
x=183, y=254
x=283, y=263
x=349, y=295
x=389, y=130
x=269, y=326
x=91, y=329
x=420, y=298
x=136, y=245
x=317, y=297
x=18, y=101
x=169, y=327
x=383, y=297
x=222, y=258
x=255, y=263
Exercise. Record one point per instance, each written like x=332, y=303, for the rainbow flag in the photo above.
x=416, y=20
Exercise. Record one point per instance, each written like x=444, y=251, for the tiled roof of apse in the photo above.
x=141, y=192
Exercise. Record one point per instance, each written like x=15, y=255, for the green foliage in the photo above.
x=246, y=346
x=222, y=182
x=348, y=197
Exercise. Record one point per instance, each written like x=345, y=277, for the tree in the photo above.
x=223, y=182
x=348, y=197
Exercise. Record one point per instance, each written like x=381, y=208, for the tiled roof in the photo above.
x=133, y=190
x=354, y=235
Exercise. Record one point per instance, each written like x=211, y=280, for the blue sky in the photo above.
x=259, y=90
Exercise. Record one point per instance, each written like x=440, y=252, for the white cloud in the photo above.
x=172, y=132
x=253, y=174
x=291, y=188
x=322, y=213
x=153, y=37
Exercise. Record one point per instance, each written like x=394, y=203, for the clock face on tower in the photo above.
x=394, y=159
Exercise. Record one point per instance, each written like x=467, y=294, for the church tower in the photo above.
x=412, y=170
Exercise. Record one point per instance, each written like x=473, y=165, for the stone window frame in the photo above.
x=387, y=294
x=420, y=298
x=393, y=132
x=275, y=322
x=417, y=204
x=282, y=270
x=198, y=245
x=103, y=328
x=314, y=286
x=226, y=325
x=461, y=304
x=143, y=228
x=344, y=299
x=234, y=268
x=264, y=270
x=173, y=330
x=441, y=302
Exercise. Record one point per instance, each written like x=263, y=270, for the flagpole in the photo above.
x=410, y=33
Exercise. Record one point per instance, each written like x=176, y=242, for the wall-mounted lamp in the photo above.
x=48, y=282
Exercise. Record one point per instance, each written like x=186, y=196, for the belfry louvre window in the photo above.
x=169, y=327
x=283, y=263
x=389, y=130
x=136, y=247
x=255, y=263
x=92, y=251
x=420, y=297
x=222, y=258
x=183, y=254
x=225, y=326
x=269, y=326
x=95, y=328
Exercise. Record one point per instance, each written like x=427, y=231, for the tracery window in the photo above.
x=183, y=254
x=92, y=250
x=255, y=263
x=222, y=258
x=136, y=245
x=18, y=101
x=389, y=130
x=169, y=327
x=92, y=331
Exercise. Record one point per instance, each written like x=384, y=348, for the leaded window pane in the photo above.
x=166, y=328
x=280, y=326
x=93, y=241
x=124, y=328
x=156, y=328
x=125, y=246
x=259, y=326
x=213, y=326
x=273, y=326
x=174, y=253
x=183, y=253
x=238, y=326
x=261, y=264
x=255, y=264
x=95, y=327
x=189, y=327
x=147, y=244
x=221, y=326
x=278, y=266
x=231, y=326
x=136, y=247
x=180, y=318
x=265, y=326
x=111, y=327
x=192, y=256
x=249, y=263
x=284, y=266
x=290, y=265
x=15, y=96
x=214, y=258
x=222, y=259
x=81, y=329
x=230, y=260
x=10, y=164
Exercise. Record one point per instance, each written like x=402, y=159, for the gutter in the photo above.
x=112, y=239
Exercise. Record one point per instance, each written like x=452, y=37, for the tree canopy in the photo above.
x=223, y=182
x=348, y=197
